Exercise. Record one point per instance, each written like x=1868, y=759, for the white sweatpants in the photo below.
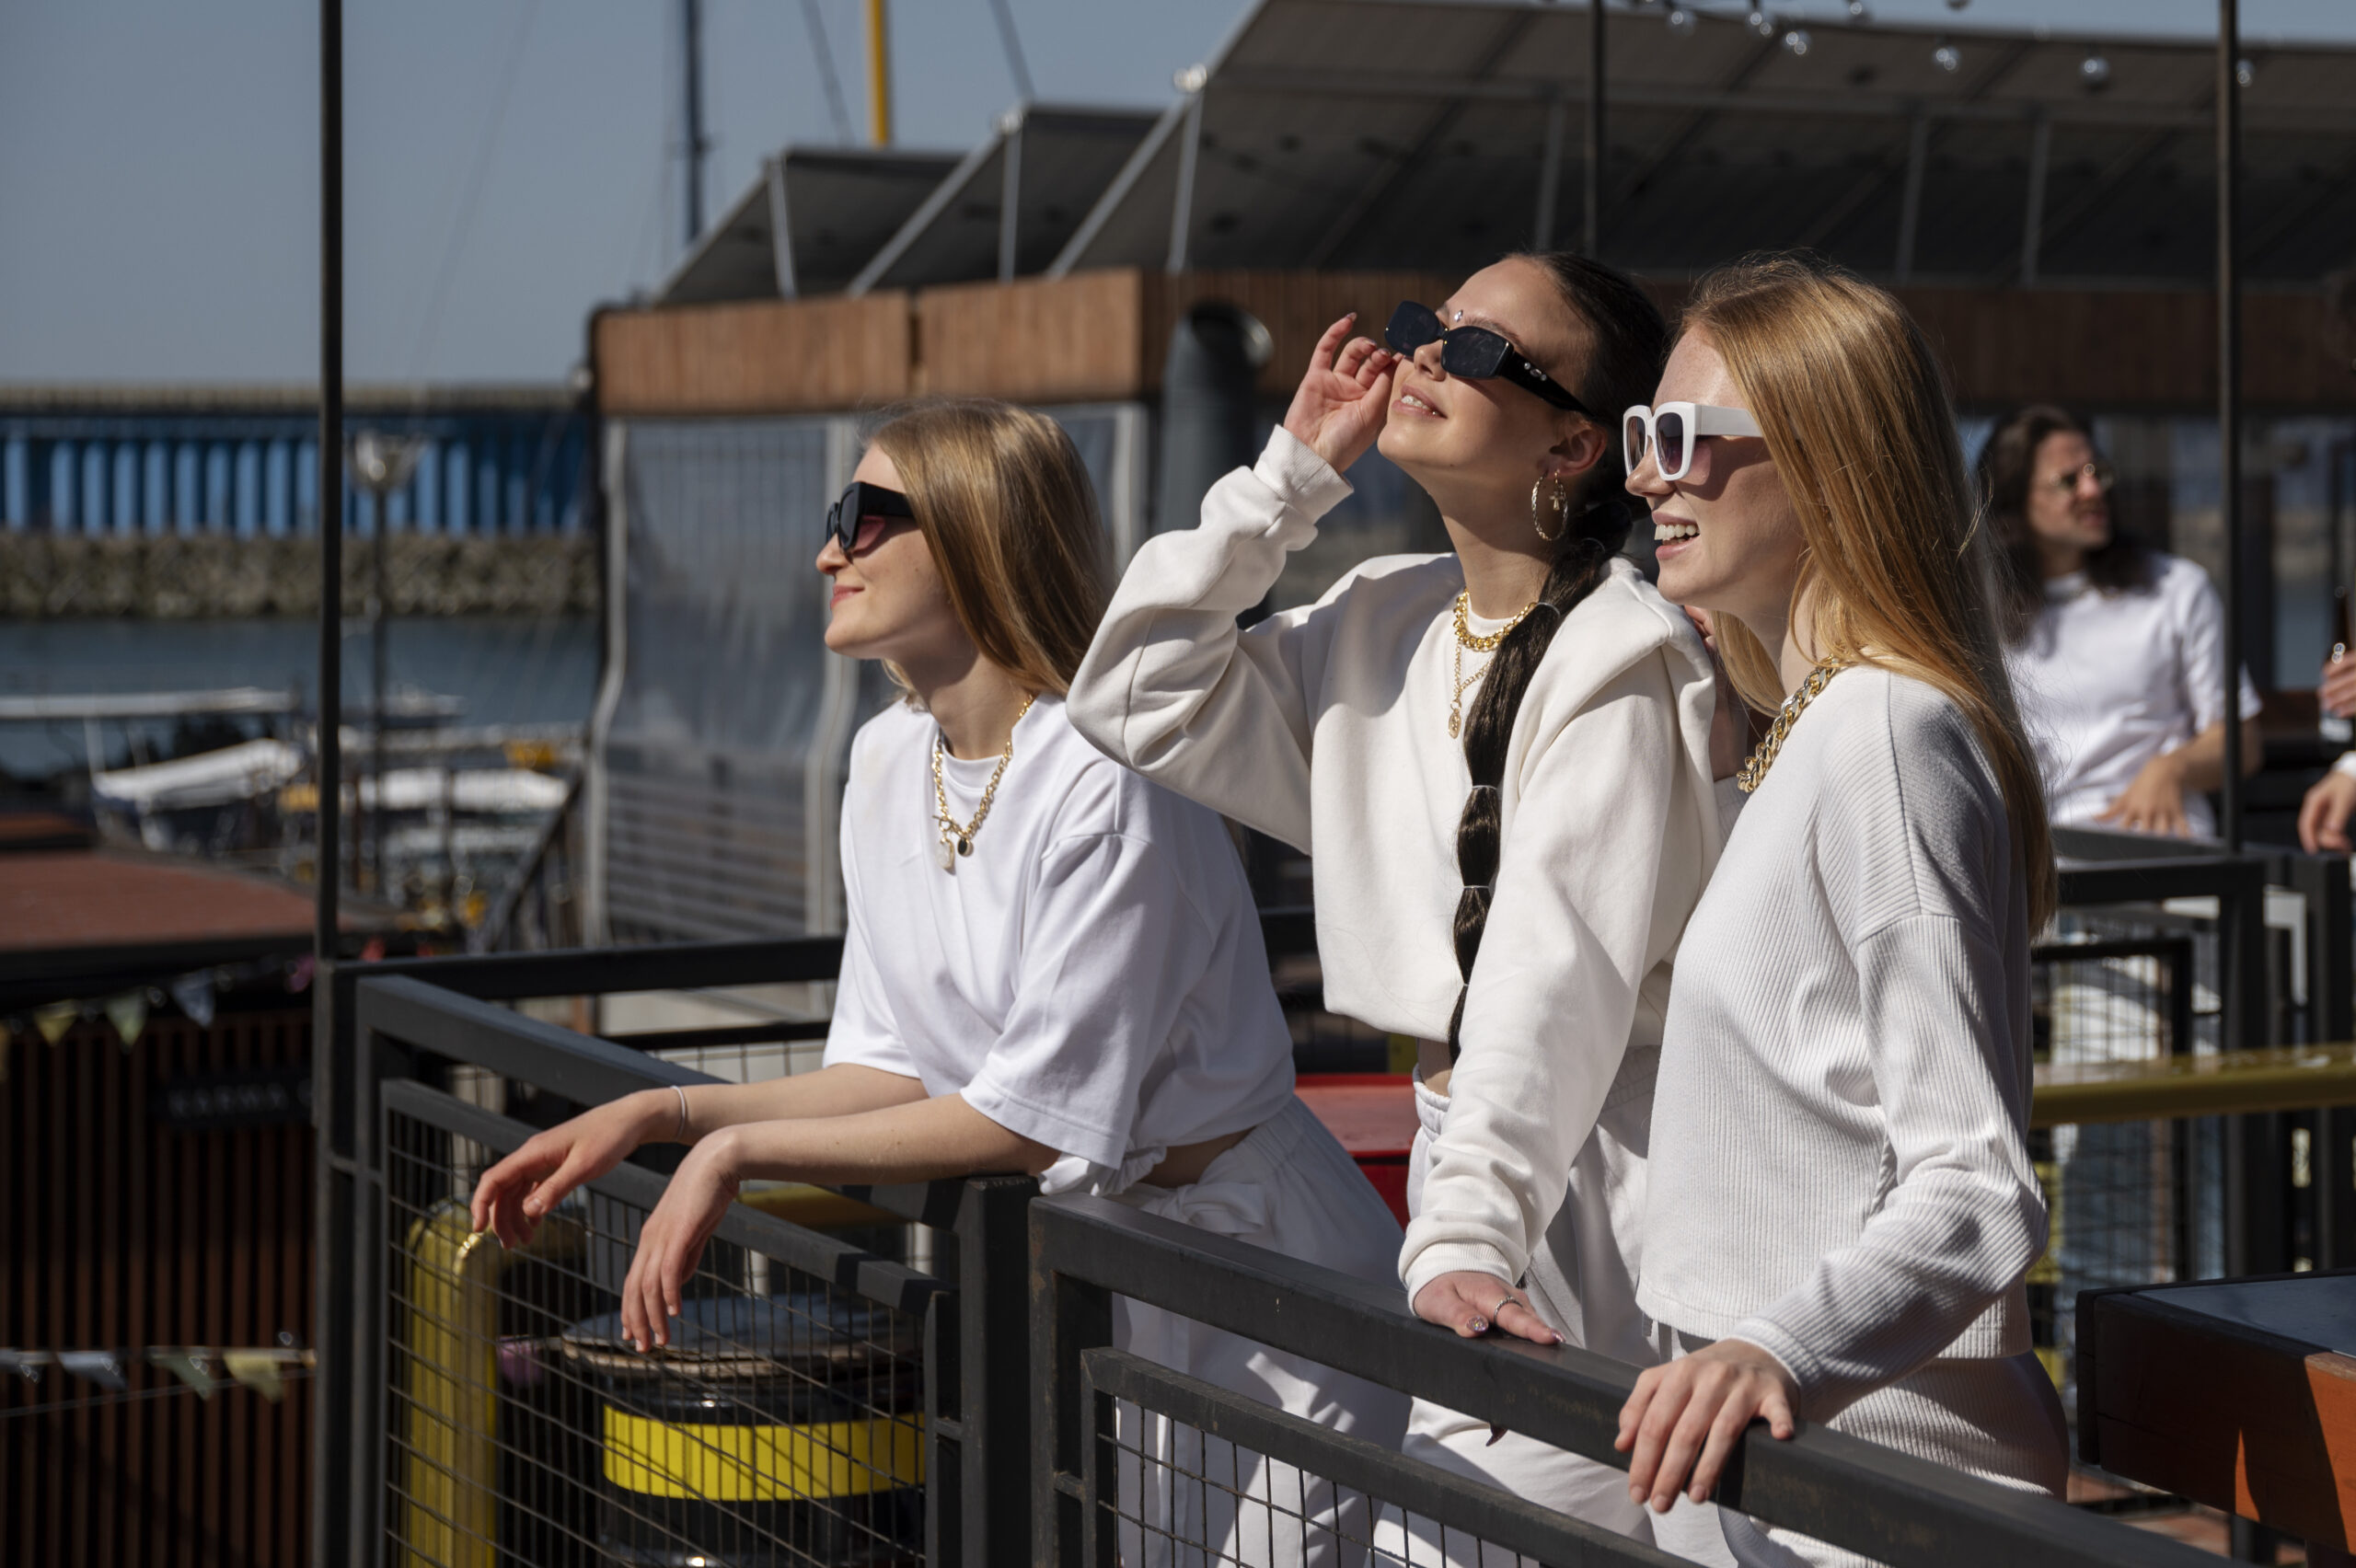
x=1998, y=1419
x=1188, y=1501
x=1582, y=1280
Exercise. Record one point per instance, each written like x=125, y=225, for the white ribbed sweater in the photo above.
x=1839, y=1173
x=1327, y=727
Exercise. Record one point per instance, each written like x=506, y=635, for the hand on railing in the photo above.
x=671, y=1241
x=519, y=1191
x=1471, y=1302
x=1688, y=1416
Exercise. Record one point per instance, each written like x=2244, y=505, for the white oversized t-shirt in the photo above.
x=2108, y=680
x=1091, y=977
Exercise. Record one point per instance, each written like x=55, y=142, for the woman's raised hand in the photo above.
x=1339, y=407
x=516, y=1195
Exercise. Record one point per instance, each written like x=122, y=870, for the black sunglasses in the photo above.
x=863, y=503
x=1476, y=353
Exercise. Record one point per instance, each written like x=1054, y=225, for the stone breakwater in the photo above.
x=175, y=577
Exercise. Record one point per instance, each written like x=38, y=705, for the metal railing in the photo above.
x=471, y=1404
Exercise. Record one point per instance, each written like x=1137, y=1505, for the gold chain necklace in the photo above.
x=1466, y=640
x=957, y=839
x=1763, y=756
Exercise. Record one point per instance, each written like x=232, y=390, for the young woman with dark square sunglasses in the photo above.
x=1500, y=760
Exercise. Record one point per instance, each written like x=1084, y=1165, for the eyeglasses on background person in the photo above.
x=1476, y=353
x=1673, y=431
x=863, y=504
x=2102, y=473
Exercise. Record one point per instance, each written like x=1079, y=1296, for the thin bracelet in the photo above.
x=681, y=1136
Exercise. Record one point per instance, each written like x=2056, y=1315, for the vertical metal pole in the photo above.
x=1182, y=208
x=1549, y=177
x=879, y=73
x=1591, y=223
x=691, y=69
x=1010, y=202
x=2229, y=394
x=1909, y=208
x=332, y=1438
x=2041, y=158
x=379, y=639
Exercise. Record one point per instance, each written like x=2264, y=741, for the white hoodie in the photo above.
x=1327, y=727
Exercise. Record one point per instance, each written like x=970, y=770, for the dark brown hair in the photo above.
x=1628, y=343
x=2007, y=467
x=1004, y=501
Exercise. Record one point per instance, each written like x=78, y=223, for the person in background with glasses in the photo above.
x=1051, y=966
x=1840, y=1208
x=2116, y=650
x=1499, y=761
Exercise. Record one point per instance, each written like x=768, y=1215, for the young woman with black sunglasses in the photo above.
x=1051, y=966
x=1500, y=761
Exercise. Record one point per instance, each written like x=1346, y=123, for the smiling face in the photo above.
x=1728, y=541
x=889, y=599
x=1478, y=446
x=2068, y=509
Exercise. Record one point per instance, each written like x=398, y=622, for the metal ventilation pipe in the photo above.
x=1208, y=421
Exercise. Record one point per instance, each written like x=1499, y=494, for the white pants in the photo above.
x=1582, y=1280
x=1189, y=1501
x=1998, y=1419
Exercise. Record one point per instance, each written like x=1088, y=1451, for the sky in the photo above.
x=511, y=164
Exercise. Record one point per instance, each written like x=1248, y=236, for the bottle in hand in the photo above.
x=2337, y=728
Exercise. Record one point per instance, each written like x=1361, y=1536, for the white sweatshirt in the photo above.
x=1327, y=727
x=1839, y=1173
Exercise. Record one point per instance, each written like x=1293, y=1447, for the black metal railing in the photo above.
x=432, y=1076
x=1860, y=1495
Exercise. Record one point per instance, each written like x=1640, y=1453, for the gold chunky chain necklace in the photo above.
x=1763, y=756
x=957, y=838
x=1465, y=640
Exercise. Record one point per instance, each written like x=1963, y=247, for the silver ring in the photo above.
x=1507, y=1301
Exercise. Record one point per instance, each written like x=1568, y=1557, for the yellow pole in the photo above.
x=879, y=75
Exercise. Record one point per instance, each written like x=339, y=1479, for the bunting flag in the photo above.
x=193, y=994
x=99, y=1367
x=128, y=1013
x=258, y=1370
x=191, y=1364
x=27, y=1364
x=54, y=1020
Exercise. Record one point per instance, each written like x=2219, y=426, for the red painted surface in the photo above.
x=77, y=899
x=1373, y=1116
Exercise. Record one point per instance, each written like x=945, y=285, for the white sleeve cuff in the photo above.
x=2347, y=764
x=1301, y=479
x=1452, y=1257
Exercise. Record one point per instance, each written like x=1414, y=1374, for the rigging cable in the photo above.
x=837, y=107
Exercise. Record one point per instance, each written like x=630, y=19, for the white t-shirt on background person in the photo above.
x=2108, y=680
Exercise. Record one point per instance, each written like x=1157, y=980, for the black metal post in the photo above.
x=2229, y=393
x=332, y=1446
x=691, y=67
x=379, y=651
x=994, y=1368
x=1591, y=223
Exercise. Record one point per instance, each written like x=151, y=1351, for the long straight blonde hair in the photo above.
x=1896, y=570
x=1003, y=501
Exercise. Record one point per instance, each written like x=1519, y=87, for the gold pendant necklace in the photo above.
x=957, y=838
x=1762, y=756
x=1465, y=639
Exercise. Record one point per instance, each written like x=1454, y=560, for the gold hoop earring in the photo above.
x=1562, y=509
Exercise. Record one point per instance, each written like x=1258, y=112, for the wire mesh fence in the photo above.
x=2130, y=1203
x=1181, y=1477
x=785, y=1424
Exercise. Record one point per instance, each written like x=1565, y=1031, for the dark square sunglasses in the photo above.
x=863, y=503
x=1476, y=353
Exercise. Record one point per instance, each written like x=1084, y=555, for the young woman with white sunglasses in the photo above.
x=1499, y=761
x=1842, y=1207
x=1052, y=966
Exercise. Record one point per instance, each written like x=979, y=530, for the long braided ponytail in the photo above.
x=1631, y=341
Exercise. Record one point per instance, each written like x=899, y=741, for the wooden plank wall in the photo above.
x=1106, y=335
x=119, y=1233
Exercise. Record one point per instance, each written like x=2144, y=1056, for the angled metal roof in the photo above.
x=836, y=204
x=1436, y=133
x=1012, y=204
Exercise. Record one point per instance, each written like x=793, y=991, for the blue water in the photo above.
x=507, y=670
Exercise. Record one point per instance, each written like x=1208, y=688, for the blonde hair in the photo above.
x=1861, y=430
x=1005, y=504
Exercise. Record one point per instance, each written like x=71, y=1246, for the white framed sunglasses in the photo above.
x=1672, y=431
